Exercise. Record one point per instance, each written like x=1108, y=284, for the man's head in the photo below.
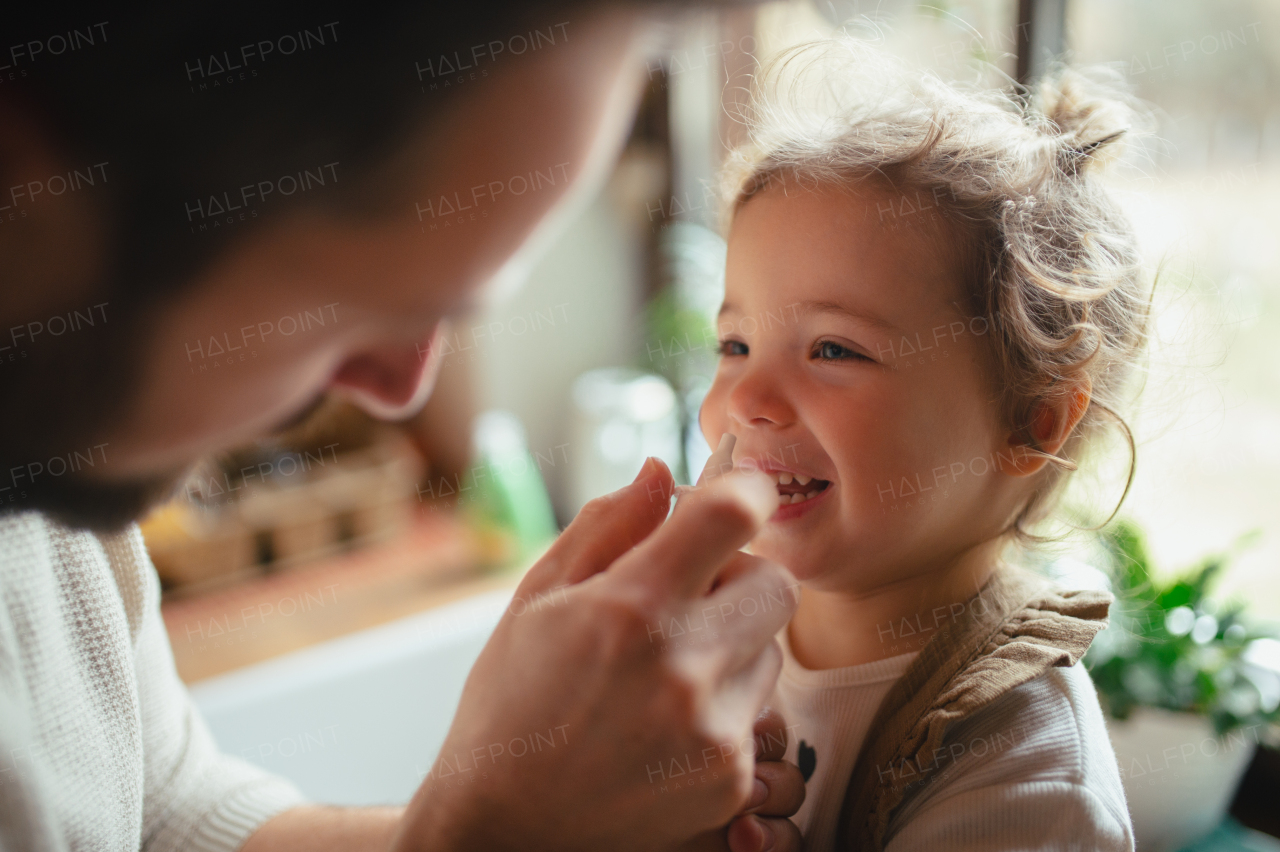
x=282, y=204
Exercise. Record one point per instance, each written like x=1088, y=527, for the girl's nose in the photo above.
x=757, y=399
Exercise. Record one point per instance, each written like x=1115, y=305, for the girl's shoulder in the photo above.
x=1037, y=756
x=1049, y=729
x=982, y=672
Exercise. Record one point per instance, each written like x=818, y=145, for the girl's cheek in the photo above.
x=711, y=415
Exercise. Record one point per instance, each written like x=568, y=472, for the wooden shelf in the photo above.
x=435, y=562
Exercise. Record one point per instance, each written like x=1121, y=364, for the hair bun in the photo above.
x=1085, y=115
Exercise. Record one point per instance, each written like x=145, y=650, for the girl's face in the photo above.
x=852, y=370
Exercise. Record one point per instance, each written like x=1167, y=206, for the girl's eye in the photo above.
x=827, y=350
x=733, y=347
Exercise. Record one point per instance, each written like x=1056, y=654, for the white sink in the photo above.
x=356, y=720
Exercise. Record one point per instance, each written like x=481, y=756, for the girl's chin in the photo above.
x=804, y=564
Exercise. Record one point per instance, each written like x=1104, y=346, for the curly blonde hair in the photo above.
x=1051, y=262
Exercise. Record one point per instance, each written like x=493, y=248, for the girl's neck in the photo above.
x=839, y=628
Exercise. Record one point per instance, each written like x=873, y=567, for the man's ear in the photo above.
x=1052, y=422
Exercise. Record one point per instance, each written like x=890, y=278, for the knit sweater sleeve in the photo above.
x=26, y=819
x=1017, y=816
x=194, y=797
x=1033, y=771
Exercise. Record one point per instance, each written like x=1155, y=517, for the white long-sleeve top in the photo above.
x=101, y=747
x=1034, y=770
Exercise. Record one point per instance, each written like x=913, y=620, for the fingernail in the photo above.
x=727, y=440
x=765, y=839
x=644, y=469
x=748, y=834
x=759, y=792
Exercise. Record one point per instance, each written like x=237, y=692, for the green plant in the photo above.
x=1172, y=646
x=681, y=340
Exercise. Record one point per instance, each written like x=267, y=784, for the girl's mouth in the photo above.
x=797, y=494
x=796, y=488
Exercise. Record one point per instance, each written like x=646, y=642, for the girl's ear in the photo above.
x=1052, y=422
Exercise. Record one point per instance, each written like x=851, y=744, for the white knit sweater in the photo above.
x=101, y=747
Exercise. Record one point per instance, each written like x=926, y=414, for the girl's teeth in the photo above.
x=811, y=495
x=785, y=479
x=802, y=479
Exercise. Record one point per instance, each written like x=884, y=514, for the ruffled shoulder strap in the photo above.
x=1014, y=629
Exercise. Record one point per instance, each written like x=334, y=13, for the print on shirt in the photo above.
x=808, y=760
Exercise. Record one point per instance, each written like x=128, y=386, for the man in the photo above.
x=176, y=178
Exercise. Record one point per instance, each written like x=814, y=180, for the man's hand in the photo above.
x=615, y=711
x=778, y=792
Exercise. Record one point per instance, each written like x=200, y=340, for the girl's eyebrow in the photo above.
x=821, y=307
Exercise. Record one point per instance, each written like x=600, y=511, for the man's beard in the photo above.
x=106, y=507
x=55, y=407
x=58, y=404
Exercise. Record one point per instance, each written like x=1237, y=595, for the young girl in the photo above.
x=931, y=308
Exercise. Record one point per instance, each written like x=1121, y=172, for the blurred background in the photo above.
x=406, y=539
